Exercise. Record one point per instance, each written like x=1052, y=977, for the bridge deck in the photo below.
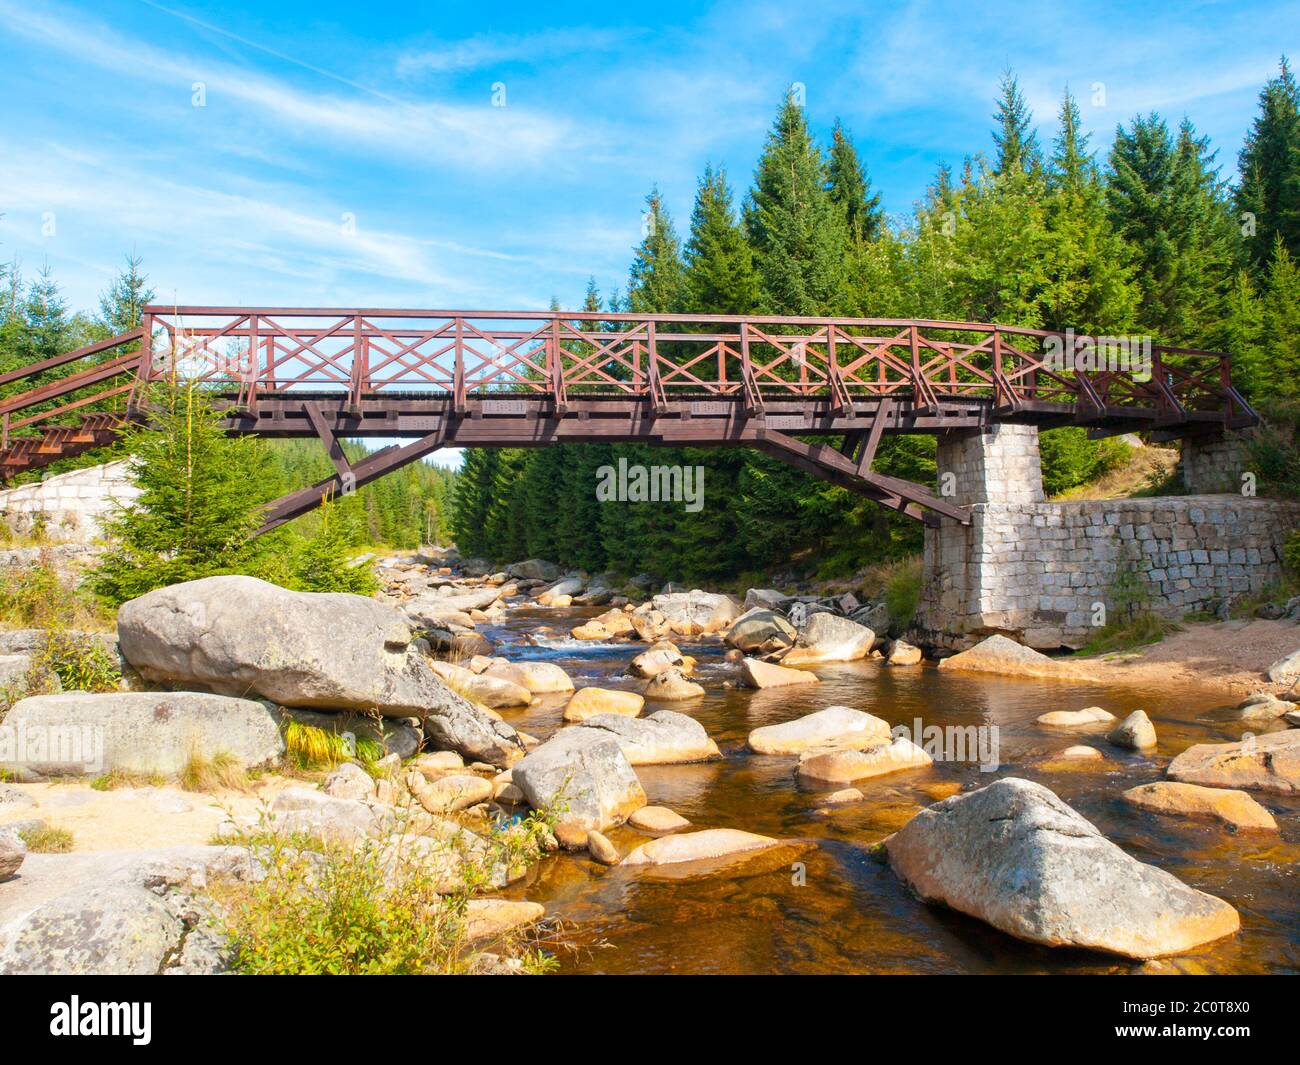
x=523, y=378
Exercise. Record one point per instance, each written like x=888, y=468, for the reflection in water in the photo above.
x=848, y=913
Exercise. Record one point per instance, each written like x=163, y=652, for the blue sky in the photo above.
x=316, y=112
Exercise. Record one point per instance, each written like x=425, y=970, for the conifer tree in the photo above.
x=719, y=266
x=1269, y=164
x=850, y=188
x=122, y=304
x=1016, y=142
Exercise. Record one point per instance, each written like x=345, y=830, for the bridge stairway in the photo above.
x=58, y=442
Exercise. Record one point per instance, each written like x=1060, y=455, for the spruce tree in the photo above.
x=122, y=304
x=1269, y=164
x=850, y=188
x=798, y=233
x=200, y=500
x=1014, y=137
x=719, y=267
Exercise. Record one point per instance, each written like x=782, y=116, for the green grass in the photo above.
x=1142, y=629
x=220, y=772
x=47, y=840
x=127, y=778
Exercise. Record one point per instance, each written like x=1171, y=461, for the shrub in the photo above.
x=903, y=592
x=368, y=908
x=82, y=663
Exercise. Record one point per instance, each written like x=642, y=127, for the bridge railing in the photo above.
x=249, y=353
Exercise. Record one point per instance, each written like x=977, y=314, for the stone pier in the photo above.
x=1048, y=573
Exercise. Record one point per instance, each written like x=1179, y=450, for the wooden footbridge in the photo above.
x=526, y=379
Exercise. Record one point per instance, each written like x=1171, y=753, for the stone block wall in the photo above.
x=1214, y=464
x=998, y=465
x=70, y=505
x=1035, y=571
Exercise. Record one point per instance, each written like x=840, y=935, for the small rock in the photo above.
x=349, y=781
x=12, y=853
x=902, y=653
x=842, y=797
x=672, y=686
x=1135, y=732
x=756, y=674
x=488, y=919
x=836, y=726
x=1285, y=670
x=698, y=846
x=658, y=820
x=842, y=767
x=449, y=793
x=601, y=849
x=1089, y=715
x=571, y=835
x=587, y=702
x=1229, y=807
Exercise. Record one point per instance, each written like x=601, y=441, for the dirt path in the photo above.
x=1229, y=656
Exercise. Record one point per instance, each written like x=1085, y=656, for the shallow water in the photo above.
x=849, y=914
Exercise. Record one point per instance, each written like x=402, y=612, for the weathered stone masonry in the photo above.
x=71, y=505
x=1036, y=570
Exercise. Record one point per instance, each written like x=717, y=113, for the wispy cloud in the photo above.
x=487, y=51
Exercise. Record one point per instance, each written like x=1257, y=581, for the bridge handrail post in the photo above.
x=458, y=364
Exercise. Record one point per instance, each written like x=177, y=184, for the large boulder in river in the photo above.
x=1004, y=656
x=696, y=613
x=662, y=738
x=588, y=702
x=829, y=638
x=242, y=636
x=583, y=774
x=835, y=767
x=761, y=631
x=1015, y=855
x=672, y=686
x=1269, y=763
x=836, y=726
x=142, y=732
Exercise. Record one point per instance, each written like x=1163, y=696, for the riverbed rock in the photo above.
x=1285, y=670
x=491, y=691
x=1263, y=707
x=761, y=631
x=601, y=849
x=662, y=738
x=707, y=844
x=697, y=613
x=1015, y=855
x=819, y=769
x=146, y=732
x=241, y=636
x=828, y=638
x=1089, y=715
x=443, y=605
x=1229, y=807
x=672, y=686
x=653, y=662
x=902, y=653
x=307, y=812
x=450, y=793
x=1135, y=732
x=585, y=770
x=836, y=726
x=756, y=674
x=12, y=853
x=766, y=599
x=1268, y=763
x=489, y=919
x=537, y=677
x=588, y=702
x=1005, y=657
x=534, y=569
x=349, y=781
x=657, y=820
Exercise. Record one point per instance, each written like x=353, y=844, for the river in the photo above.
x=846, y=912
